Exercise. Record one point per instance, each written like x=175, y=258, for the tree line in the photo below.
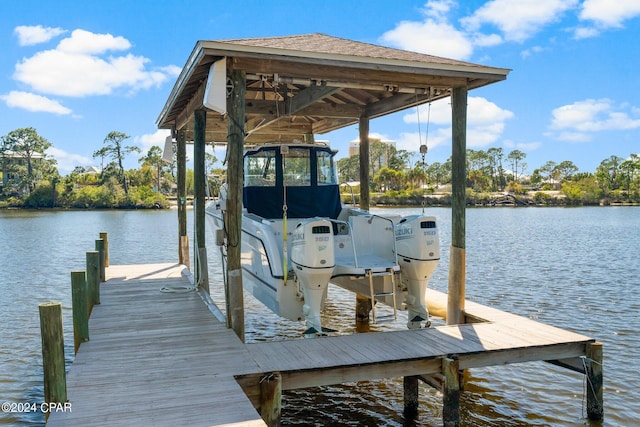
x=30, y=177
x=399, y=175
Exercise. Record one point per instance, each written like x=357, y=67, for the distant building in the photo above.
x=354, y=148
x=9, y=161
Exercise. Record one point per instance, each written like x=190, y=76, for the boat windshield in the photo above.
x=260, y=169
x=326, y=171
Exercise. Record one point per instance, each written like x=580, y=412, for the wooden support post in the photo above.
x=410, y=397
x=105, y=237
x=271, y=398
x=79, y=300
x=52, y=334
x=199, y=186
x=181, y=158
x=595, y=403
x=204, y=269
x=184, y=252
x=93, y=278
x=456, y=288
x=233, y=218
x=100, y=249
x=236, y=308
x=364, y=163
x=363, y=308
x=451, y=393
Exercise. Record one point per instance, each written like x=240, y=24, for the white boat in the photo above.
x=297, y=237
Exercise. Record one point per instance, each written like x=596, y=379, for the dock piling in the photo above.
x=593, y=364
x=451, y=392
x=80, y=310
x=105, y=237
x=51, y=331
x=93, y=278
x=410, y=397
x=271, y=398
x=100, y=248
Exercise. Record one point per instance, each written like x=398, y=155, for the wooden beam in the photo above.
x=364, y=162
x=370, y=74
x=456, y=288
x=271, y=398
x=196, y=103
x=233, y=217
x=410, y=386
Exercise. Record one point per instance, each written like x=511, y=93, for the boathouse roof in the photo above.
x=313, y=84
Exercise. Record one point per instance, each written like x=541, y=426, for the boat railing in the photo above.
x=353, y=197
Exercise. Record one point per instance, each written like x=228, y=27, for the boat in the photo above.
x=297, y=238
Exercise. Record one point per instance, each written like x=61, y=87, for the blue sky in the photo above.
x=76, y=70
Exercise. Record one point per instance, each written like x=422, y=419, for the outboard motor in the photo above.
x=418, y=246
x=312, y=256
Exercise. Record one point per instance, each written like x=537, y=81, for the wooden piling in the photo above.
x=204, y=269
x=364, y=162
x=181, y=157
x=456, y=288
x=451, y=392
x=410, y=397
x=93, y=278
x=80, y=311
x=199, y=188
x=236, y=304
x=271, y=398
x=363, y=308
x=233, y=218
x=184, y=252
x=595, y=403
x=52, y=334
x=105, y=237
x=101, y=271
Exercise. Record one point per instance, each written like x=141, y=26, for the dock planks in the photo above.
x=164, y=359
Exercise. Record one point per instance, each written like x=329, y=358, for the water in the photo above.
x=575, y=268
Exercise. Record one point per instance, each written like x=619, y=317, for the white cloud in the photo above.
x=485, y=122
x=518, y=20
x=148, y=140
x=607, y=13
x=433, y=35
x=75, y=68
x=576, y=122
x=523, y=146
x=35, y=103
x=67, y=161
x=35, y=34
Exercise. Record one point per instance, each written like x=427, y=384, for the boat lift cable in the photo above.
x=423, y=147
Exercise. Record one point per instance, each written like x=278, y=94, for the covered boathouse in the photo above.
x=290, y=88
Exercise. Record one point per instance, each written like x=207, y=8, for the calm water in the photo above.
x=574, y=268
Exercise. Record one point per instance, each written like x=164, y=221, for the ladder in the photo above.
x=373, y=295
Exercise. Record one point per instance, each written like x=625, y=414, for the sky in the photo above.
x=77, y=70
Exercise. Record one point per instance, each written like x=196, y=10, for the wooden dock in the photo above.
x=164, y=358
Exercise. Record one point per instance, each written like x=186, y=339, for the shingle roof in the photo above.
x=323, y=43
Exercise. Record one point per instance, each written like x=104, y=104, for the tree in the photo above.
x=517, y=166
x=496, y=154
x=154, y=159
x=607, y=174
x=115, y=150
x=565, y=170
x=349, y=168
x=26, y=145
